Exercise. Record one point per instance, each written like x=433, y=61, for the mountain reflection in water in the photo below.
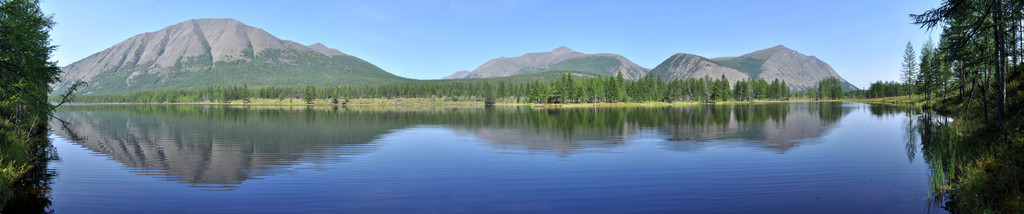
x=219, y=147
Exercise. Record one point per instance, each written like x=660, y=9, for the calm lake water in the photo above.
x=762, y=158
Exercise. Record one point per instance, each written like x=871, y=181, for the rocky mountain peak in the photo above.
x=683, y=55
x=562, y=50
x=318, y=47
x=201, y=52
x=561, y=58
x=779, y=62
x=765, y=53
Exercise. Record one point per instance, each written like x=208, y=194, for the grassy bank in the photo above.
x=14, y=159
x=983, y=164
x=653, y=103
x=898, y=100
x=19, y=155
x=325, y=102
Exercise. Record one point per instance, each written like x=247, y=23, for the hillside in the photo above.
x=202, y=53
x=798, y=70
x=684, y=66
x=561, y=58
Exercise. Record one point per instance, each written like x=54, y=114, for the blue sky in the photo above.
x=862, y=40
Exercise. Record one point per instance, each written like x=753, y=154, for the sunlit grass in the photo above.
x=905, y=100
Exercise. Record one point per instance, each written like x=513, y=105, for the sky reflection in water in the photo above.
x=786, y=157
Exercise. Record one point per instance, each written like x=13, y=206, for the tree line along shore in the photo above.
x=570, y=88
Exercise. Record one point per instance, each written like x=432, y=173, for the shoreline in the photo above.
x=424, y=102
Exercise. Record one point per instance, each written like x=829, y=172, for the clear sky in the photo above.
x=421, y=39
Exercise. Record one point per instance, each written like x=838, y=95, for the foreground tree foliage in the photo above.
x=24, y=62
x=974, y=74
x=26, y=73
x=981, y=43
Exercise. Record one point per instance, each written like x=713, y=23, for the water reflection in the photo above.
x=924, y=132
x=32, y=192
x=776, y=127
x=912, y=118
x=931, y=132
x=219, y=145
x=222, y=146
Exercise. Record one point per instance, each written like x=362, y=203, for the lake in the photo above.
x=759, y=158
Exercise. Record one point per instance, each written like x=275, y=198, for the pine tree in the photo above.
x=309, y=95
x=621, y=86
x=489, y=97
x=909, y=72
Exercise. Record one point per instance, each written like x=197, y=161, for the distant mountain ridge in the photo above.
x=798, y=70
x=456, y=75
x=561, y=58
x=203, y=53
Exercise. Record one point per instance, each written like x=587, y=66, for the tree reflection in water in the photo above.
x=218, y=147
x=221, y=146
x=32, y=193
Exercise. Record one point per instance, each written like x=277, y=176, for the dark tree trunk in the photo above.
x=1000, y=62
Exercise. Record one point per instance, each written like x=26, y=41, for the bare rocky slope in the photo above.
x=561, y=58
x=684, y=66
x=203, y=53
x=798, y=70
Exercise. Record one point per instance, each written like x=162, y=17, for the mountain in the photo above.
x=798, y=70
x=201, y=53
x=456, y=75
x=685, y=66
x=561, y=58
x=325, y=50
